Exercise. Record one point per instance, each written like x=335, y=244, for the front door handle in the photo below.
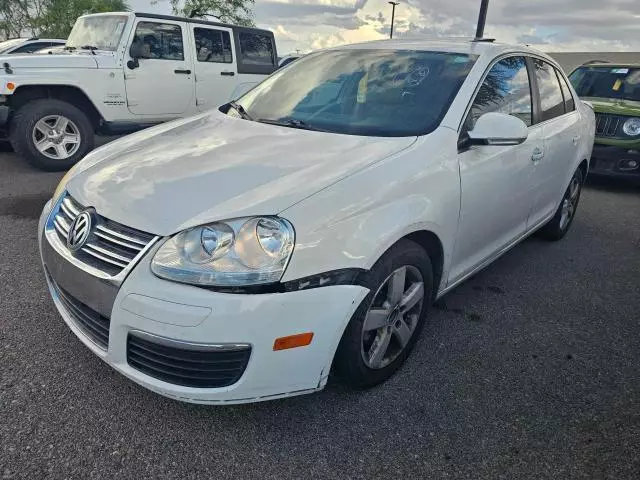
x=537, y=154
x=183, y=72
x=576, y=139
x=228, y=74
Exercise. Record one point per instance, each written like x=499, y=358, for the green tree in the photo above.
x=17, y=17
x=237, y=12
x=58, y=16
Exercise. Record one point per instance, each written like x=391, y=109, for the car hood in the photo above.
x=614, y=106
x=215, y=167
x=55, y=60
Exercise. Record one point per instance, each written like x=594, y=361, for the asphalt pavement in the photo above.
x=531, y=369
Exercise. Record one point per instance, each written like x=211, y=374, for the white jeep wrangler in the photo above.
x=121, y=72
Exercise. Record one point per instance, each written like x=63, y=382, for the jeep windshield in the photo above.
x=101, y=32
x=390, y=93
x=607, y=82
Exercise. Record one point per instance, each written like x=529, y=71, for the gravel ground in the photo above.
x=528, y=370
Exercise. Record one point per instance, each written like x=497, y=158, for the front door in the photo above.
x=561, y=130
x=496, y=181
x=215, y=65
x=162, y=85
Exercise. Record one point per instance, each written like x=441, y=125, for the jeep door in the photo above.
x=160, y=81
x=216, y=73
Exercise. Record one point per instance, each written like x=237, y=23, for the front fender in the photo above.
x=352, y=223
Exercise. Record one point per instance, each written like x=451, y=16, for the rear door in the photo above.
x=163, y=83
x=216, y=73
x=560, y=124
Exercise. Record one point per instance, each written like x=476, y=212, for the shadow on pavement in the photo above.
x=616, y=185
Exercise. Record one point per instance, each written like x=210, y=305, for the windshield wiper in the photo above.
x=240, y=109
x=291, y=123
x=89, y=47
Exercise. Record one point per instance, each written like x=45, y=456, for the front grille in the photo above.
x=111, y=247
x=92, y=324
x=188, y=367
x=609, y=125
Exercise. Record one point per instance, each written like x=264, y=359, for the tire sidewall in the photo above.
x=349, y=364
x=22, y=133
x=552, y=230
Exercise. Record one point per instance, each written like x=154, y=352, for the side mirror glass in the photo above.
x=135, y=51
x=498, y=129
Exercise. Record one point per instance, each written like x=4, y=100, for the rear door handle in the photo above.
x=184, y=72
x=228, y=74
x=537, y=154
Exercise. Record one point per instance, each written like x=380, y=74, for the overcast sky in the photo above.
x=552, y=25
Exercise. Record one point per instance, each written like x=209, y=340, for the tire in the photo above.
x=44, y=113
x=356, y=362
x=558, y=226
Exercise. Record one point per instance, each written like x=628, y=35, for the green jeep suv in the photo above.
x=614, y=92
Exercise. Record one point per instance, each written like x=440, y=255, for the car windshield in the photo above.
x=101, y=31
x=361, y=91
x=9, y=44
x=607, y=82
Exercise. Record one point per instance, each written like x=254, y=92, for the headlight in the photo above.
x=234, y=253
x=632, y=127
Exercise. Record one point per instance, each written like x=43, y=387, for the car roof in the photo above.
x=611, y=65
x=176, y=18
x=463, y=45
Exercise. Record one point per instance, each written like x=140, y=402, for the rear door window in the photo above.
x=569, y=102
x=213, y=45
x=551, y=99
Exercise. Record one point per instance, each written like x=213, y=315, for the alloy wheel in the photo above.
x=56, y=137
x=392, y=317
x=570, y=202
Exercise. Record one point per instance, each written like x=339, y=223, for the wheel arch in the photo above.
x=66, y=93
x=584, y=167
x=431, y=243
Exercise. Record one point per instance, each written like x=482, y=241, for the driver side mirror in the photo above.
x=135, y=52
x=498, y=129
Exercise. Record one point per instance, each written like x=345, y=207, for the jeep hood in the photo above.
x=614, y=106
x=215, y=167
x=54, y=61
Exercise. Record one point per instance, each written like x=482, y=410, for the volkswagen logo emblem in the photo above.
x=79, y=231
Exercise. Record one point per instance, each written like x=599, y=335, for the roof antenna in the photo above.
x=482, y=19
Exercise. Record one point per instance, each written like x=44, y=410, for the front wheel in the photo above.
x=559, y=225
x=385, y=327
x=51, y=134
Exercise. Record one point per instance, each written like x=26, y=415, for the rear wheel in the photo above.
x=385, y=327
x=51, y=134
x=559, y=225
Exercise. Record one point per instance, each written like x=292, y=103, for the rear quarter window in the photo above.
x=256, y=49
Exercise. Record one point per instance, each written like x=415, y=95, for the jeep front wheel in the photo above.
x=51, y=135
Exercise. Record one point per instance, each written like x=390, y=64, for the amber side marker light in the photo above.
x=292, y=341
x=11, y=86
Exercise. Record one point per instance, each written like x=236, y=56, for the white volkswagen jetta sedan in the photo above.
x=243, y=254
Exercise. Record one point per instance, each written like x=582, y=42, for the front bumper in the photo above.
x=613, y=161
x=182, y=313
